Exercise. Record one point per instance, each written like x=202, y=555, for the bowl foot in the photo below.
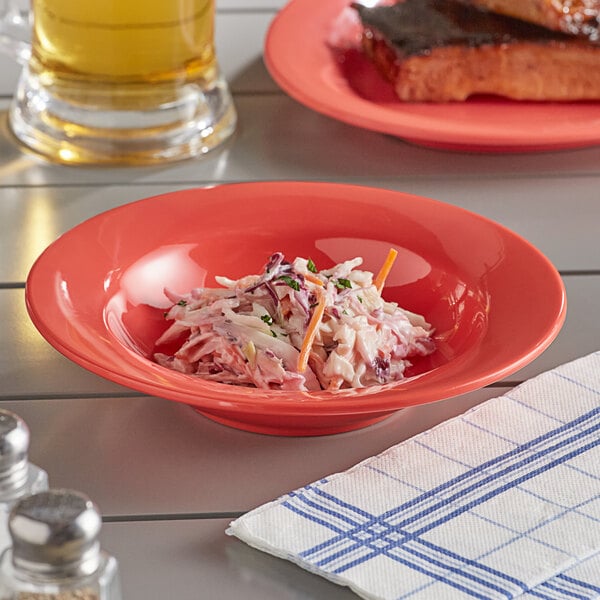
x=296, y=426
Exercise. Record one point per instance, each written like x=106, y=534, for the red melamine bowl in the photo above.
x=96, y=293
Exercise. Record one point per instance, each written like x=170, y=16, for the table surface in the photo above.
x=167, y=480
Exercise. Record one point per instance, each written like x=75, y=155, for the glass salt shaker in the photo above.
x=18, y=477
x=56, y=553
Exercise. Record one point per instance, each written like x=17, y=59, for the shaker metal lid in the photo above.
x=55, y=530
x=14, y=440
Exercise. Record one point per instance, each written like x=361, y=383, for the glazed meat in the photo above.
x=444, y=50
x=577, y=17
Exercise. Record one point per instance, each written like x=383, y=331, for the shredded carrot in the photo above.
x=311, y=332
x=310, y=277
x=386, y=267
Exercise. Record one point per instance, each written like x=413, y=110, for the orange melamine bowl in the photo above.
x=96, y=293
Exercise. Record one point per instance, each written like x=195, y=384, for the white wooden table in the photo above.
x=167, y=480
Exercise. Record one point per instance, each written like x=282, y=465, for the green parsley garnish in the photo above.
x=182, y=303
x=342, y=283
x=291, y=282
x=267, y=319
x=273, y=333
x=310, y=265
x=360, y=299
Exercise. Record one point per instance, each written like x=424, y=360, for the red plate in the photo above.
x=96, y=293
x=302, y=56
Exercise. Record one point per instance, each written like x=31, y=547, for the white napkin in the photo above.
x=500, y=502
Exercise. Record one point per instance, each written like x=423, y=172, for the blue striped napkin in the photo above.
x=500, y=502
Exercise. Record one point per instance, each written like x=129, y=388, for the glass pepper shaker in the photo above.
x=18, y=477
x=55, y=553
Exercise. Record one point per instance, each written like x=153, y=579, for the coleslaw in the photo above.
x=294, y=327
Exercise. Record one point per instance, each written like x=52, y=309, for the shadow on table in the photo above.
x=282, y=579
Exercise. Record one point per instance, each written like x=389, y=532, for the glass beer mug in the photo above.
x=116, y=81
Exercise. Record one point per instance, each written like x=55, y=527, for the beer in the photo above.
x=123, y=41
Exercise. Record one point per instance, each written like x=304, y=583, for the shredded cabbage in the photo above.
x=252, y=330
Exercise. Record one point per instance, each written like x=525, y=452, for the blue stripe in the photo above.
x=506, y=471
x=579, y=582
x=331, y=512
x=525, y=461
x=479, y=470
x=473, y=487
x=527, y=533
x=503, y=488
x=538, y=594
x=312, y=518
x=375, y=551
x=473, y=563
x=470, y=576
x=518, y=534
x=564, y=593
x=360, y=545
x=576, y=382
x=438, y=577
x=560, y=375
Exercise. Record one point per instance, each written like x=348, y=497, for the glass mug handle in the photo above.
x=15, y=29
